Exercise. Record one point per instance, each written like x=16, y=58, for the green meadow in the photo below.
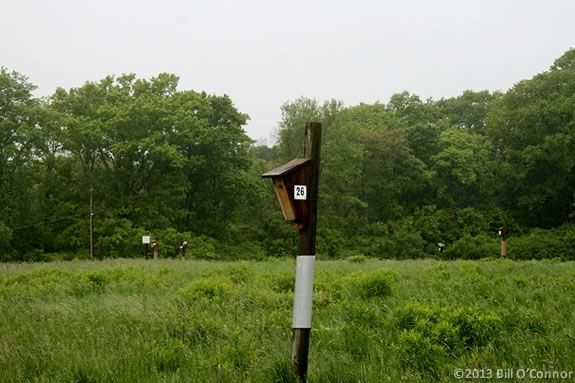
x=201, y=321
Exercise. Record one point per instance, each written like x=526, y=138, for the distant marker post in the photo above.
x=503, y=231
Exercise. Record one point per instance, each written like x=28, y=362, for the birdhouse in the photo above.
x=440, y=247
x=291, y=183
x=503, y=231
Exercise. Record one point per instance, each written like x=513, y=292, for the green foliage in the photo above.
x=432, y=333
x=117, y=238
x=211, y=289
x=178, y=320
x=171, y=356
x=357, y=258
x=283, y=282
x=465, y=166
x=5, y=235
x=419, y=352
x=278, y=239
x=400, y=241
x=244, y=250
x=533, y=126
x=375, y=284
x=541, y=244
x=169, y=241
x=469, y=110
x=476, y=329
x=396, y=178
x=202, y=247
x=329, y=242
x=156, y=157
x=473, y=247
x=460, y=166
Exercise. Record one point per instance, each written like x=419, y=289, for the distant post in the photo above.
x=503, y=231
x=146, y=243
x=296, y=185
x=155, y=250
x=183, y=248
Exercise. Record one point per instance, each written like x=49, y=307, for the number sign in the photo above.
x=300, y=192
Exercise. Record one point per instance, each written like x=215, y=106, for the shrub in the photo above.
x=283, y=282
x=207, y=288
x=114, y=238
x=476, y=328
x=400, y=240
x=278, y=247
x=374, y=284
x=6, y=234
x=239, y=274
x=239, y=351
x=90, y=282
x=39, y=282
x=170, y=356
x=281, y=372
x=473, y=247
x=358, y=258
x=193, y=328
x=363, y=315
x=329, y=242
x=455, y=330
x=35, y=255
x=73, y=237
x=419, y=351
x=83, y=374
x=244, y=250
x=202, y=247
x=540, y=244
x=278, y=239
x=169, y=241
x=413, y=313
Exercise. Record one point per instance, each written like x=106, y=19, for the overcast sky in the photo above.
x=263, y=53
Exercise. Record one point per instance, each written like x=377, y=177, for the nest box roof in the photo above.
x=287, y=168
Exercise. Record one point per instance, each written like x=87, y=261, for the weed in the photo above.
x=375, y=284
x=203, y=321
x=170, y=356
x=209, y=288
x=358, y=258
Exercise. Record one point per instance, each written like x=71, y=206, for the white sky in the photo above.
x=263, y=53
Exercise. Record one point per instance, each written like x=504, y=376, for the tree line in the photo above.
x=396, y=177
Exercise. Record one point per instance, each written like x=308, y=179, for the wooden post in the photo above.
x=306, y=259
x=155, y=250
x=503, y=247
x=503, y=231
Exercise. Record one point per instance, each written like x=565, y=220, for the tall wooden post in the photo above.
x=306, y=259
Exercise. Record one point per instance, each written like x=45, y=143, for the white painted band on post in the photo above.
x=303, y=291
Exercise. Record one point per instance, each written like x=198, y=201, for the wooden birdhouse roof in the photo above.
x=287, y=168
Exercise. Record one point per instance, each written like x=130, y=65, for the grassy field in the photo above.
x=194, y=321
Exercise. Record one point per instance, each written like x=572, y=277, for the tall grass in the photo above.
x=201, y=321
